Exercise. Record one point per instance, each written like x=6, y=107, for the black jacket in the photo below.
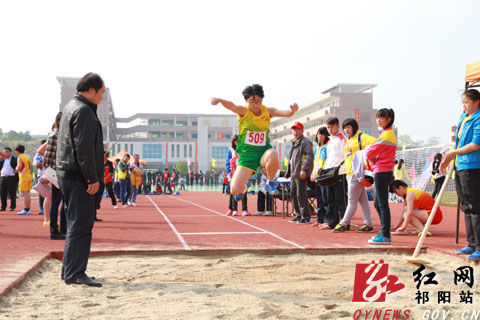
x=80, y=142
x=300, y=158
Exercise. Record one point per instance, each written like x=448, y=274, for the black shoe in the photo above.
x=296, y=219
x=86, y=280
x=303, y=221
x=96, y=219
x=57, y=236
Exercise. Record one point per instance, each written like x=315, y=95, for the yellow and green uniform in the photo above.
x=460, y=134
x=254, y=138
x=25, y=175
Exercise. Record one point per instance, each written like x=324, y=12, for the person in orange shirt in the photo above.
x=418, y=207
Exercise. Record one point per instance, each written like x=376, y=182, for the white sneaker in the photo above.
x=269, y=213
x=245, y=213
x=115, y=207
x=133, y=204
x=129, y=203
x=235, y=213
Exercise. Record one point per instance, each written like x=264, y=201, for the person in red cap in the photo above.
x=300, y=166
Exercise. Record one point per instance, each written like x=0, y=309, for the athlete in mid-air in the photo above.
x=253, y=142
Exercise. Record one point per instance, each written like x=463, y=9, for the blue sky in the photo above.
x=159, y=56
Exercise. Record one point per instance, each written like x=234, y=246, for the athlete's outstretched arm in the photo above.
x=230, y=106
x=283, y=113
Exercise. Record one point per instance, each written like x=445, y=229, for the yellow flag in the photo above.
x=404, y=147
x=213, y=162
x=285, y=162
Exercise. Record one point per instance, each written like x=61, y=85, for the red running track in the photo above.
x=193, y=221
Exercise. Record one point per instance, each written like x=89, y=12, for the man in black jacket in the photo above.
x=80, y=173
x=8, y=179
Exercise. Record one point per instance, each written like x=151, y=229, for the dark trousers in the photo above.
x=111, y=194
x=41, y=200
x=166, y=185
x=337, y=201
x=116, y=189
x=57, y=199
x=182, y=187
x=382, y=182
x=98, y=197
x=233, y=205
x=8, y=188
x=261, y=197
x=224, y=187
x=467, y=183
x=298, y=194
x=438, y=186
x=124, y=190
x=80, y=217
x=321, y=193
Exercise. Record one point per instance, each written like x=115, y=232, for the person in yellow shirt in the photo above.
x=399, y=171
x=25, y=177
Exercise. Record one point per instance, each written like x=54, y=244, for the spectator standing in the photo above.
x=166, y=181
x=57, y=196
x=400, y=171
x=382, y=156
x=38, y=163
x=8, y=179
x=136, y=169
x=337, y=197
x=124, y=180
x=182, y=183
x=300, y=168
x=321, y=192
x=116, y=185
x=25, y=177
x=467, y=174
x=108, y=179
x=80, y=171
x=263, y=195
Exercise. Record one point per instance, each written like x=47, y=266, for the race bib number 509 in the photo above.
x=256, y=138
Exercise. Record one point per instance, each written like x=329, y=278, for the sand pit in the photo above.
x=226, y=286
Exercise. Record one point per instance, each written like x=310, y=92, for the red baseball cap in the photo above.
x=297, y=125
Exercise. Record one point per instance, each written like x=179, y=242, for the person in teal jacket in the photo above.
x=467, y=160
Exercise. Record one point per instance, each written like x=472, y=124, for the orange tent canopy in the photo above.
x=472, y=73
x=120, y=156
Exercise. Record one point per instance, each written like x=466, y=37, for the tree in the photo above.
x=432, y=141
x=182, y=167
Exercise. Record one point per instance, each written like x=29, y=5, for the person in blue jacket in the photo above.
x=467, y=177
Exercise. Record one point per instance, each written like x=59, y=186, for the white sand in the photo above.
x=243, y=286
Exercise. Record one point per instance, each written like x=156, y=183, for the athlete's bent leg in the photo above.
x=239, y=180
x=269, y=161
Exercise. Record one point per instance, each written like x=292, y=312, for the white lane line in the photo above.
x=248, y=224
x=213, y=233
x=179, y=236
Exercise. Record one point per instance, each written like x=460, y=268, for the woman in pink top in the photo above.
x=382, y=156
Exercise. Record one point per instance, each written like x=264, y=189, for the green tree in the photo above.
x=182, y=167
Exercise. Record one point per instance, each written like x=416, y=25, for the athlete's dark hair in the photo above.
x=400, y=163
x=351, y=122
x=88, y=81
x=333, y=121
x=8, y=148
x=234, y=142
x=395, y=184
x=253, y=90
x=42, y=141
x=20, y=148
x=384, y=113
x=472, y=94
x=322, y=131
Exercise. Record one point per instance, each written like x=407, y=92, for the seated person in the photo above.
x=418, y=206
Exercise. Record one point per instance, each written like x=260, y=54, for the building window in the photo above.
x=131, y=148
x=181, y=123
x=194, y=135
x=194, y=123
x=178, y=151
x=154, y=122
x=167, y=122
x=190, y=151
x=126, y=147
x=154, y=134
x=173, y=151
x=181, y=135
x=219, y=152
x=119, y=148
x=184, y=150
x=167, y=135
x=228, y=136
x=152, y=151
